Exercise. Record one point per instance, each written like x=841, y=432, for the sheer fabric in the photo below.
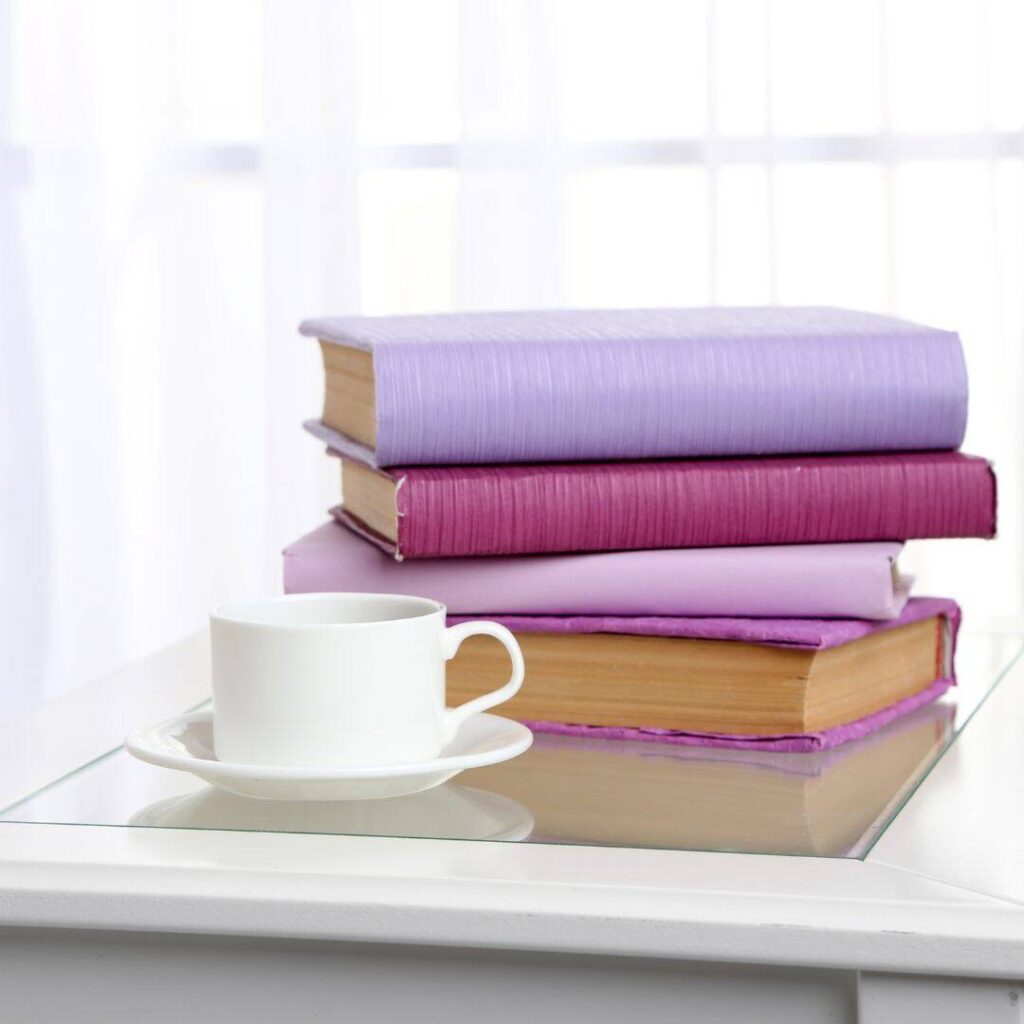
x=181, y=183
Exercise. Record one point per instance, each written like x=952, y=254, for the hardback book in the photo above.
x=443, y=511
x=785, y=581
x=567, y=385
x=693, y=798
x=796, y=684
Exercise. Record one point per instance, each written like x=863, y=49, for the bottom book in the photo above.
x=773, y=684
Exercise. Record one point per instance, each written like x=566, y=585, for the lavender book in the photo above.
x=568, y=385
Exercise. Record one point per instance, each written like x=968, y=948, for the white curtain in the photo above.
x=181, y=182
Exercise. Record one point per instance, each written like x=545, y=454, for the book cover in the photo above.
x=563, y=385
x=814, y=580
x=501, y=510
x=798, y=633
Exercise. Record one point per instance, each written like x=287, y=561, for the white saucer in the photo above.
x=450, y=811
x=185, y=743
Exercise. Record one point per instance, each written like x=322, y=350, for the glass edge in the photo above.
x=84, y=766
x=884, y=822
x=859, y=851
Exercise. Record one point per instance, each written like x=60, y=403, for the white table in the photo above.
x=104, y=923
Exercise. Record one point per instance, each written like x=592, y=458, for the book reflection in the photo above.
x=828, y=804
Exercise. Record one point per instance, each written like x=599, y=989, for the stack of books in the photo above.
x=689, y=518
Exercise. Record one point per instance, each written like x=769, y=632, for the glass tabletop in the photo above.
x=573, y=791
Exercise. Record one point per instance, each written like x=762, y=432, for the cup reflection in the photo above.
x=446, y=812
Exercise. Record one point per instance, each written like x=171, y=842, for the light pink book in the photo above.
x=844, y=581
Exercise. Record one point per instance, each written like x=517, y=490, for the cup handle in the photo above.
x=453, y=637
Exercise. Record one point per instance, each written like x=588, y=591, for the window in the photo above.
x=183, y=182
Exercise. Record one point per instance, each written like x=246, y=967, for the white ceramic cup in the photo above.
x=340, y=679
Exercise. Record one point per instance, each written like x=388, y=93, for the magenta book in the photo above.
x=430, y=512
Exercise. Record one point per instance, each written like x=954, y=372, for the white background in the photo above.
x=182, y=182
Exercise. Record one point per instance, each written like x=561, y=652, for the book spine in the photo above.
x=629, y=506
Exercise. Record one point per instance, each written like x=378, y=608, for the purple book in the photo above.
x=790, y=581
x=572, y=385
x=803, y=634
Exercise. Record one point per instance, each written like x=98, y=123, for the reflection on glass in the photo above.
x=583, y=791
x=609, y=792
x=563, y=790
x=447, y=812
